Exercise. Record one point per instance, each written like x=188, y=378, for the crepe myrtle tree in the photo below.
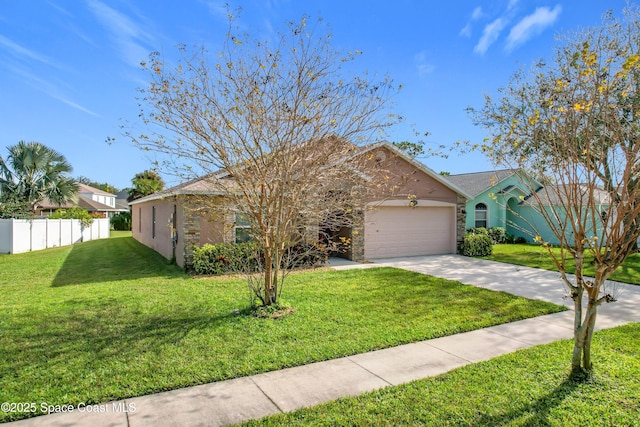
x=576, y=121
x=275, y=127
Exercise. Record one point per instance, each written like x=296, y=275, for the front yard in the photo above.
x=111, y=319
x=530, y=387
x=536, y=256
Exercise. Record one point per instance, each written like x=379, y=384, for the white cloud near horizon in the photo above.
x=133, y=43
x=532, y=25
x=490, y=34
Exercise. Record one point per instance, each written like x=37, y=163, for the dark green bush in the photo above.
x=498, y=234
x=520, y=240
x=121, y=221
x=478, y=230
x=477, y=245
x=223, y=258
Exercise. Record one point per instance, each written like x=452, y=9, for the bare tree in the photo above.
x=576, y=121
x=274, y=126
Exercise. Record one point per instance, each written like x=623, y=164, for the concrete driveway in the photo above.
x=523, y=281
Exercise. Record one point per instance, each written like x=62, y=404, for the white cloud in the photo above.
x=477, y=13
x=532, y=25
x=512, y=4
x=21, y=51
x=48, y=88
x=424, y=67
x=466, y=31
x=490, y=34
x=132, y=42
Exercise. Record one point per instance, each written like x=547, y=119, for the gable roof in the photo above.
x=83, y=202
x=204, y=186
x=420, y=166
x=552, y=195
x=476, y=183
x=84, y=188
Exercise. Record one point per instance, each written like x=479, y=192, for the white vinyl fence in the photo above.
x=24, y=235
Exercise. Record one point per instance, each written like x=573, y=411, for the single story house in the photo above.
x=425, y=215
x=503, y=198
x=491, y=193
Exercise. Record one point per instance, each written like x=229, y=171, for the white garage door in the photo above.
x=393, y=231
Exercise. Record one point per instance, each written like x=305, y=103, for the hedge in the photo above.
x=223, y=258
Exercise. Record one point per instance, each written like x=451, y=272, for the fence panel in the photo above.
x=6, y=236
x=21, y=235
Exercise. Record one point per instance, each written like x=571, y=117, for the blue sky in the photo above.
x=69, y=70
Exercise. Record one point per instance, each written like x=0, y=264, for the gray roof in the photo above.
x=478, y=182
x=552, y=195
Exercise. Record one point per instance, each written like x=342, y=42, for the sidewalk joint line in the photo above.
x=267, y=396
x=371, y=372
x=448, y=352
x=126, y=413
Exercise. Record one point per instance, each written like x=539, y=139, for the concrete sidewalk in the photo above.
x=241, y=399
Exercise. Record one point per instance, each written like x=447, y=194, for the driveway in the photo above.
x=523, y=281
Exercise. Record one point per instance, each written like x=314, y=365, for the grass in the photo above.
x=531, y=387
x=536, y=256
x=110, y=319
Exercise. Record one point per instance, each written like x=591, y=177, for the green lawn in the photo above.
x=536, y=256
x=110, y=319
x=531, y=387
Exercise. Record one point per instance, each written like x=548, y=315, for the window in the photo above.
x=481, y=215
x=242, y=229
x=139, y=220
x=153, y=222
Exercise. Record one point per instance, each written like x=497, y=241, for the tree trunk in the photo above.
x=588, y=335
x=578, y=335
x=268, y=283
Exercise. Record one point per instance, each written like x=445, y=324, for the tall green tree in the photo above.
x=576, y=121
x=32, y=172
x=145, y=183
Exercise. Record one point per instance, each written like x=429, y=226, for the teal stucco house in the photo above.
x=503, y=198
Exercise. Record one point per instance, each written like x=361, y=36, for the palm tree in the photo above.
x=33, y=172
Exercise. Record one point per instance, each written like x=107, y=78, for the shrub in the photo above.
x=75, y=212
x=477, y=245
x=223, y=258
x=478, y=230
x=498, y=234
x=520, y=240
x=121, y=221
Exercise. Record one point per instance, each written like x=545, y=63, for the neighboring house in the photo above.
x=92, y=199
x=172, y=221
x=122, y=201
x=527, y=213
x=492, y=192
x=503, y=198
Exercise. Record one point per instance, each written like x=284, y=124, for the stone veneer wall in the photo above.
x=461, y=221
x=191, y=231
x=357, y=236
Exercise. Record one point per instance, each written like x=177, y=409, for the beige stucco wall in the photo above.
x=142, y=227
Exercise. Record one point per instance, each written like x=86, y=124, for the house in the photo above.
x=491, y=193
x=503, y=198
x=92, y=199
x=423, y=216
x=122, y=201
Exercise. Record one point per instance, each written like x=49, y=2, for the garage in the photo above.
x=394, y=231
